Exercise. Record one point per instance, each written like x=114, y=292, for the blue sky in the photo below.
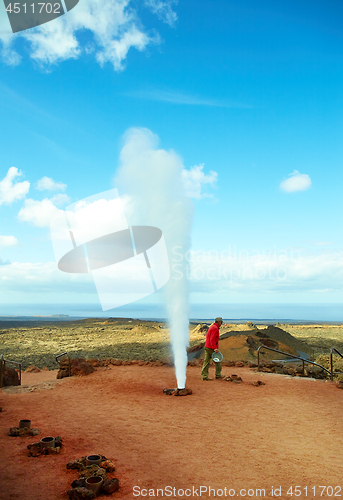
x=248, y=94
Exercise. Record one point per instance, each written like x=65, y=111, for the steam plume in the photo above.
x=151, y=181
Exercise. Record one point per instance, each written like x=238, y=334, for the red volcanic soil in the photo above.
x=285, y=433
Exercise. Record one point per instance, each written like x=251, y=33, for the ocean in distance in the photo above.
x=230, y=312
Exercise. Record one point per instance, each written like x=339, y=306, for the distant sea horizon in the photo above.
x=229, y=312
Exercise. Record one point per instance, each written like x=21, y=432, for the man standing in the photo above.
x=211, y=346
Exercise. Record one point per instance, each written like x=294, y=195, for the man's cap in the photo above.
x=217, y=320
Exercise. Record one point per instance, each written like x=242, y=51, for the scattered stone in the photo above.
x=257, y=383
x=58, y=441
x=126, y=363
x=92, y=470
x=94, y=362
x=79, y=483
x=81, y=494
x=80, y=490
x=340, y=384
x=265, y=369
x=104, y=362
x=23, y=432
x=228, y=363
x=169, y=392
x=234, y=378
x=141, y=362
x=107, y=465
x=184, y=392
x=45, y=369
x=252, y=364
x=53, y=451
x=76, y=464
x=177, y=392
x=35, y=449
x=110, y=486
x=33, y=369
x=239, y=363
x=116, y=362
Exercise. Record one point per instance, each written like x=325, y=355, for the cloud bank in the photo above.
x=217, y=274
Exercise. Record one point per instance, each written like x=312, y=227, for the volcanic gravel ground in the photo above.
x=225, y=435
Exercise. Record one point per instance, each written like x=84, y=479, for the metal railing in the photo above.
x=331, y=362
x=3, y=367
x=294, y=357
x=65, y=354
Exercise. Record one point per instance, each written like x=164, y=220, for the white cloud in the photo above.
x=194, y=179
x=48, y=184
x=8, y=241
x=11, y=191
x=296, y=182
x=181, y=98
x=113, y=24
x=39, y=213
x=8, y=54
x=163, y=10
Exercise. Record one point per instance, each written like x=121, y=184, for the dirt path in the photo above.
x=287, y=432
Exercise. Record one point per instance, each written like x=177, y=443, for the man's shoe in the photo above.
x=220, y=376
x=207, y=378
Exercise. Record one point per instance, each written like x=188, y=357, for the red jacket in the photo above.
x=212, y=337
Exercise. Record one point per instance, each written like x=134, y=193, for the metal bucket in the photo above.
x=217, y=357
x=94, y=483
x=94, y=459
x=47, y=442
x=25, y=423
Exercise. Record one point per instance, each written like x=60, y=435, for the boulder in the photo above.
x=110, y=486
x=93, y=362
x=107, y=465
x=78, y=367
x=79, y=483
x=116, y=362
x=81, y=494
x=33, y=369
x=10, y=377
